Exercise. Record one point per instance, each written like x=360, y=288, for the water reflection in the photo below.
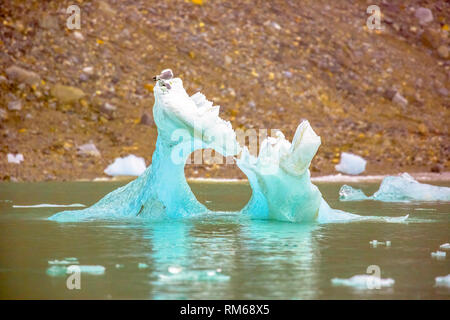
x=230, y=257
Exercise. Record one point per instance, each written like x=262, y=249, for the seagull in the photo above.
x=166, y=74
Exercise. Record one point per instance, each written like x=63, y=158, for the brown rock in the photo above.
x=108, y=109
x=400, y=100
x=20, y=75
x=443, y=52
x=147, y=119
x=15, y=105
x=423, y=129
x=67, y=94
x=430, y=38
x=49, y=22
x=3, y=115
x=106, y=8
x=424, y=15
x=437, y=168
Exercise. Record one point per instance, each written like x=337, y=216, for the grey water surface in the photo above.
x=218, y=256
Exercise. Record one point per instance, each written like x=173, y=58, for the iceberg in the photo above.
x=403, y=188
x=126, y=166
x=279, y=176
x=443, y=281
x=184, y=124
x=351, y=164
x=438, y=254
x=364, y=281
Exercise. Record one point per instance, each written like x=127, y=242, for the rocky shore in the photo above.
x=71, y=101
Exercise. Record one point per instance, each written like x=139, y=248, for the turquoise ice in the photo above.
x=279, y=176
x=403, y=188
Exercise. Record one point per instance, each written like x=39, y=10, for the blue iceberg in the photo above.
x=279, y=176
x=403, y=188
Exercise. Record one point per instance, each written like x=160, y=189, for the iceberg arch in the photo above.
x=279, y=176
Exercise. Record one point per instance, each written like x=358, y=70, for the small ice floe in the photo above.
x=46, y=205
x=375, y=243
x=198, y=275
x=174, y=270
x=347, y=193
x=402, y=188
x=445, y=246
x=119, y=266
x=351, y=164
x=65, y=261
x=438, y=255
x=94, y=270
x=364, y=281
x=15, y=158
x=62, y=270
x=443, y=281
x=142, y=265
x=127, y=166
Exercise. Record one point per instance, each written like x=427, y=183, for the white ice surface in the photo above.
x=351, y=164
x=130, y=165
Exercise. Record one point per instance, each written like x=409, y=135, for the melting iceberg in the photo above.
x=185, y=124
x=401, y=188
x=279, y=176
x=351, y=164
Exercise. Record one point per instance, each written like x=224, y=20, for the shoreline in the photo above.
x=419, y=176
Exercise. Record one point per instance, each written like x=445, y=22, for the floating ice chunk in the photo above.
x=375, y=243
x=438, y=254
x=119, y=266
x=126, y=166
x=398, y=189
x=443, y=281
x=15, y=158
x=46, y=205
x=57, y=271
x=347, y=193
x=65, y=261
x=93, y=270
x=351, y=164
x=363, y=282
x=142, y=265
x=445, y=246
x=62, y=270
x=200, y=276
x=174, y=270
x=405, y=188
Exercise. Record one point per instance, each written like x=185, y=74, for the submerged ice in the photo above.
x=398, y=189
x=279, y=176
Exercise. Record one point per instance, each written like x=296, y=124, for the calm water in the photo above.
x=258, y=259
